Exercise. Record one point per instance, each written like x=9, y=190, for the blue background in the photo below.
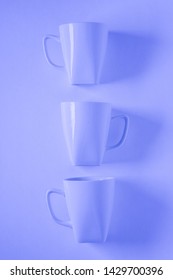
x=137, y=79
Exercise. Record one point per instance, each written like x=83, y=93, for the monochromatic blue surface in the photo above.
x=136, y=79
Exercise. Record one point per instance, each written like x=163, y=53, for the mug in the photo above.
x=86, y=127
x=83, y=47
x=89, y=202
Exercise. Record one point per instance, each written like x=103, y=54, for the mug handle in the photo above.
x=58, y=221
x=45, y=39
x=123, y=137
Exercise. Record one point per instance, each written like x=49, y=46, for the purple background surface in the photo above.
x=137, y=79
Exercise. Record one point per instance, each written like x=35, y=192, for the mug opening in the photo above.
x=84, y=22
x=89, y=179
x=86, y=102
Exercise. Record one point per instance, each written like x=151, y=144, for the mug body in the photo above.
x=86, y=127
x=83, y=46
x=89, y=202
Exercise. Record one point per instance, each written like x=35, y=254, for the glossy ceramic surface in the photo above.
x=83, y=47
x=89, y=201
x=86, y=127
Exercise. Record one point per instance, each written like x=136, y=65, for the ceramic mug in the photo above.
x=89, y=202
x=86, y=127
x=83, y=47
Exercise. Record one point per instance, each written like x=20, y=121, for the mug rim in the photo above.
x=86, y=102
x=84, y=22
x=89, y=179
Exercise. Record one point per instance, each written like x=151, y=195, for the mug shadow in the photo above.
x=127, y=55
x=142, y=134
x=138, y=215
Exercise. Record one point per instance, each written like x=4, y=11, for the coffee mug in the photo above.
x=89, y=202
x=86, y=127
x=83, y=47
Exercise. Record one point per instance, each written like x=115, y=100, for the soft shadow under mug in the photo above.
x=83, y=47
x=86, y=127
x=89, y=202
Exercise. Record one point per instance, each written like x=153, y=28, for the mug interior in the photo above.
x=85, y=103
x=87, y=179
x=83, y=23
